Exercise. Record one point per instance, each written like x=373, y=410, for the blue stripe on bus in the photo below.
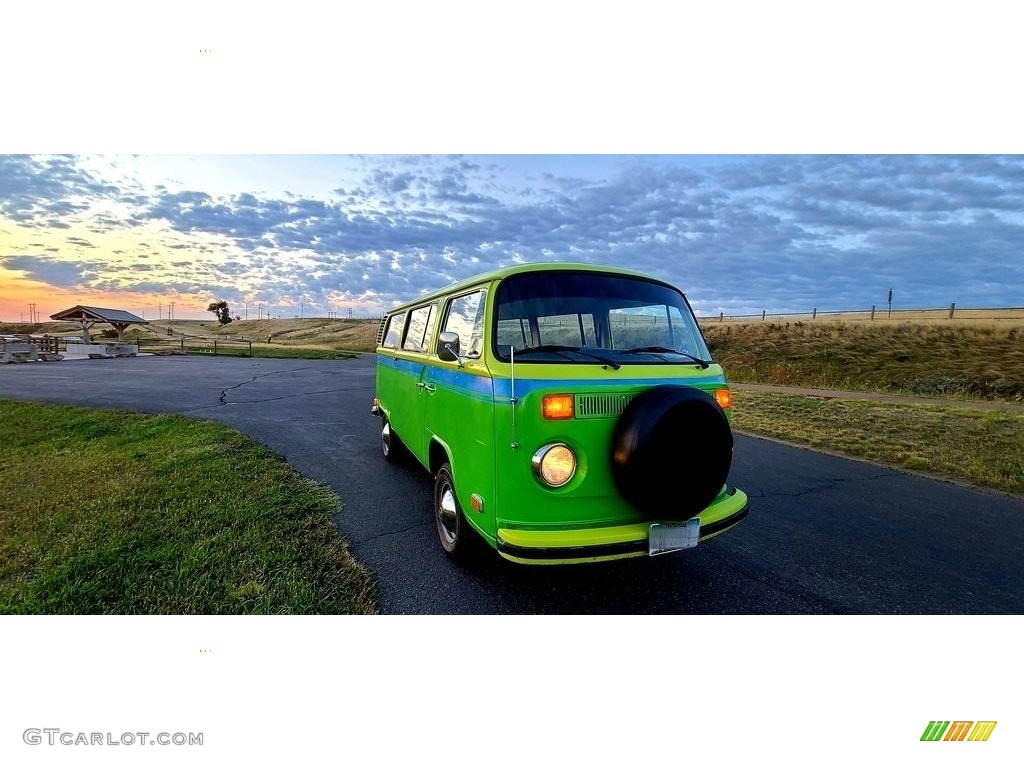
x=500, y=390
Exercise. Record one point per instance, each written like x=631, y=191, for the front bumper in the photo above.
x=594, y=545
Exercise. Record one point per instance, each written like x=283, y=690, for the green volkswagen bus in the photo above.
x=568, y=413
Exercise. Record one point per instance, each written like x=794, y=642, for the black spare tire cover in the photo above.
x=671, y=451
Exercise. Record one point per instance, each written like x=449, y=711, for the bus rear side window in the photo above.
x=421, y=322
x=394, y=331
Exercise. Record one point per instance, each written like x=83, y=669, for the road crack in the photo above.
x=786, y=587
x=296, y=394
x=376, y=536
x=224, y=393
x=827, y=485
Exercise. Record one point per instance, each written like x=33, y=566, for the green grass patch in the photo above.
x=959, y=361
x=303, y=353
x=110, y=512
x=979, y=447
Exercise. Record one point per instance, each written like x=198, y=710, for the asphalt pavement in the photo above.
x=824, y=534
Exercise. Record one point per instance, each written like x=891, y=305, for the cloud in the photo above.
x=51, y=270
x=740, y=233
x=32, y=187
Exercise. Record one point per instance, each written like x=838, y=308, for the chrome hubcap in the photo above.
x=447, y=513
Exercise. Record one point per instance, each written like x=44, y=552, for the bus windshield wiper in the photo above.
x=665, y=351
x=561, y=349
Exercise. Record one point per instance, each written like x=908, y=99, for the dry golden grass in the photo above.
x=53, y=329
x=953, y=360
x=313, y=333
x=979, y=447
x=321, y=333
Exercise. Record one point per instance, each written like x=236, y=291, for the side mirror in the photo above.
x=448, y=348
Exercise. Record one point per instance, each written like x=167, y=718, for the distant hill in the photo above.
x=322, y=333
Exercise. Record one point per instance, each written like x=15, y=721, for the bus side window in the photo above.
x=394, y=331
x=421, y=321
x=466, y=318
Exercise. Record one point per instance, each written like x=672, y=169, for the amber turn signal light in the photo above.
x=724, y=398
x=558, y=406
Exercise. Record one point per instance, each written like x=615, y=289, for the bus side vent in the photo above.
x=380, y=331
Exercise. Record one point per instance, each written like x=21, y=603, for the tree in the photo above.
x=221, y=310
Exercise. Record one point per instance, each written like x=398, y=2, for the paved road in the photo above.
x=825, y=534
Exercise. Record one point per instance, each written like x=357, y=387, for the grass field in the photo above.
x=311, y=333
x=312, y=338
x=951, y=360
x=117, y=512
x=242, y=349
x=979, y=447
x=1009, y=316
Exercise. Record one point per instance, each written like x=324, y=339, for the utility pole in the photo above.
x=170, y=313
x=247, y=310
x=890, y=302
x=261, y=311
x=160, y=311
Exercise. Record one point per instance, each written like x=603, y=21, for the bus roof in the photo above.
x=518, y=269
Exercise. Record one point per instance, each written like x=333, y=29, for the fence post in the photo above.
x=952, y=307
x=250, y=349
x=872, y=311
x=215, y=347
x=814, y=314
x=181, y=343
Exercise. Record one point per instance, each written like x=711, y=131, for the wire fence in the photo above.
x=195, y=345
x=943, y=313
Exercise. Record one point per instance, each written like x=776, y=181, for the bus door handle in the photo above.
x=427, y=387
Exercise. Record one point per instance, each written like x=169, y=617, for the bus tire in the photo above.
x=391, y=446
x=457, y=537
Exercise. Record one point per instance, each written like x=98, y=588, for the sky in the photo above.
x=335, y=160
x=306, y=234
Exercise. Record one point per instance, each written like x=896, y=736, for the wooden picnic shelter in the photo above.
x=87, y=317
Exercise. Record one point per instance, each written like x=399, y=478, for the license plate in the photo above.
x=671, y=537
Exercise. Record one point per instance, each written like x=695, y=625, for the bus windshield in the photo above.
x=588, y=317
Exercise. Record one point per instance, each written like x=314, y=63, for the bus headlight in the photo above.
x=554, y=464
